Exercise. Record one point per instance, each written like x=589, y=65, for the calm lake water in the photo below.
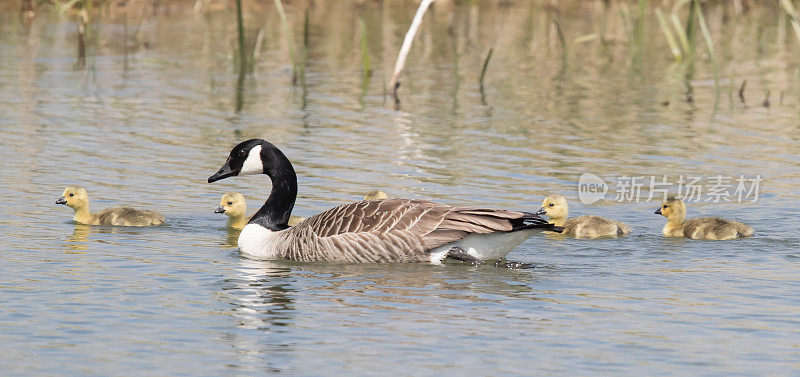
x=156, y=105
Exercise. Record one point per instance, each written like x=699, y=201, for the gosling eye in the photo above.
x=230, y=203
x=71, y=194
x=551, y=204
x=665, y=206
x=241, y=153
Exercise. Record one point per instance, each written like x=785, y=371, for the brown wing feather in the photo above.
x=391, y=230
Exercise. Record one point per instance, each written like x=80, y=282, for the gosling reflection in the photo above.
x=232, y=238
x=79, y=239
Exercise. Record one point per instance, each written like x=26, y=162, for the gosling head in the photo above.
x=254, y=156
x=74, y=197
x=555, y=206
x=376, y=194
x=673, y=209
x=232, y=204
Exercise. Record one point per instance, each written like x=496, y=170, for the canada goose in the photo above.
x=710, y=228
x=382, y=230
x=77, y=198
x=234, y=205
x=590, y=226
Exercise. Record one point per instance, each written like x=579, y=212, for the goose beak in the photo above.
x=540, y=212
x=658, y=211
x=219, y=209
x=61, y=200
x=224, y=172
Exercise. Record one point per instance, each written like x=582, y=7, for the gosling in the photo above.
x=234, y=205
x=709, y=228
x=590, y=226
x=77, y=198
x=376, y=194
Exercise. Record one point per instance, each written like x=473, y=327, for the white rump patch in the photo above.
x=253, y=164
x=491, y=246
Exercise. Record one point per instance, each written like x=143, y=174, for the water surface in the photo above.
x=156, y=105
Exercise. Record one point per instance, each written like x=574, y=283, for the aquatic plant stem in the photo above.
x=240, y=31
x=304, y=61
x=366, y=64
x=790, y=10
x=680, y=31
x=485, y=65
x=406, y=47
x=289, y=40
x=709, y=42
x=673, y=45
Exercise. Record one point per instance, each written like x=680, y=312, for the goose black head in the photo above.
x=244, y=159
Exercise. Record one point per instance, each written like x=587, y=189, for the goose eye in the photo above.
x=551, y=204
x=665, y=206
x=71, y=194
x=230, y=203
x=241, y=153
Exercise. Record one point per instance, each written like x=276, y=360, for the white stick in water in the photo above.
x=412, y=31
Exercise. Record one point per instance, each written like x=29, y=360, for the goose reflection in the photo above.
x=260, y=294
x=261, y=302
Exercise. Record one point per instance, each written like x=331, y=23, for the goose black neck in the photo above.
x=274, y=214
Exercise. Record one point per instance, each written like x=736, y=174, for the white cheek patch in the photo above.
x=253, y=164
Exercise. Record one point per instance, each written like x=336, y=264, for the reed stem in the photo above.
x=485, y=65
x=289, y=40
x=406, y=47
x=366, y=64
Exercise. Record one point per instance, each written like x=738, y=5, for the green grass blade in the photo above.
x=709, y=42
x=676, y=51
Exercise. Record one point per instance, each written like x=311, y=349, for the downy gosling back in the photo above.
x=710, y=228
x=77, y=198
x=590, y=226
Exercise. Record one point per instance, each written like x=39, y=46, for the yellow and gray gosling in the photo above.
x=590, y=226
x=234, y=205
x=376, y=194
x=710, y=228
x=77, y=198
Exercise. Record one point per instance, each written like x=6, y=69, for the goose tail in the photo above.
x=534, y=221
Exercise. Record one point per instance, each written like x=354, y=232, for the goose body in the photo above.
x=379, y=230
x=77, y=198
x=710, y=228
x=589, y=226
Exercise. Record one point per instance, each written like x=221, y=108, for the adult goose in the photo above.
x=382, y=230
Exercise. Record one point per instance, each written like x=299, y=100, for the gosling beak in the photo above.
x=540, y=212
x=658, y=211
x=219, y=209
x=61, y=200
